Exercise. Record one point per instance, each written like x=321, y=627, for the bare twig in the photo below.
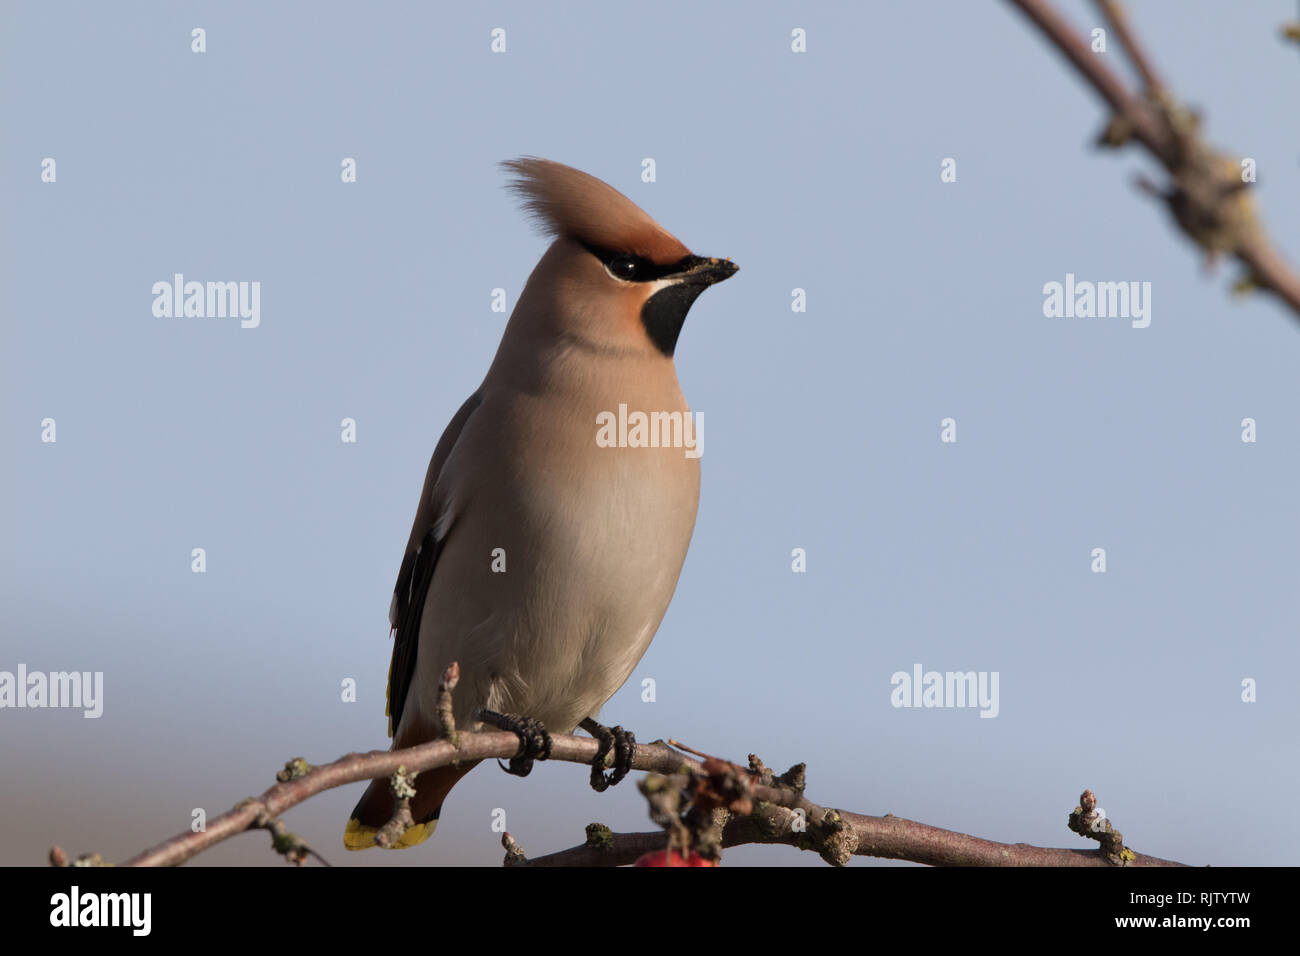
x=1119, y=25
x=379, y=764
x=1089, y=821
x=754, y=805
x=1207, y=195
x=289, y=845
x=887, y=837
x=514, y=853
x=446, y=718
x=403, y=788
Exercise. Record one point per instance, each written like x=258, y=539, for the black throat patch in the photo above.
x=664, y=313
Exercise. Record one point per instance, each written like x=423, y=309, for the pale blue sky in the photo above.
x=818, y=171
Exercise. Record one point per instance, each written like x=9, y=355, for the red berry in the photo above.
x=672, y=858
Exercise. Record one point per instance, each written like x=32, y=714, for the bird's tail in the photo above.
x=375, y=808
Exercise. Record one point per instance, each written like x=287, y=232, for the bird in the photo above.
x=542, y=560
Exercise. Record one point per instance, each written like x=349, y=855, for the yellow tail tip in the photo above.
x=358, y=836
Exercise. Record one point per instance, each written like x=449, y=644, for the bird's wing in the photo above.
x=418, y=565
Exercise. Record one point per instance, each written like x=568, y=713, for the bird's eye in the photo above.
x=623, y=267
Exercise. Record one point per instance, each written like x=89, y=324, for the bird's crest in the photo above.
x=565, y=201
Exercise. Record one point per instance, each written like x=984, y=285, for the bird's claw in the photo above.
x=534, y=741
x=623, y=743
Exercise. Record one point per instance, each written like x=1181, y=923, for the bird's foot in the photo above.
x=623, y=743
x=534, y=741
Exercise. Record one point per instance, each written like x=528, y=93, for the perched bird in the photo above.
x=542, y=560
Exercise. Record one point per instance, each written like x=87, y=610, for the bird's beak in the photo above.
x=705, y=272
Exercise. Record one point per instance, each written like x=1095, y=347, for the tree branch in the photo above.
x=702, y=805
x=780, y=815
x=887, y=837
x=1114, y=13
x=1207, y=196
x=356, y=767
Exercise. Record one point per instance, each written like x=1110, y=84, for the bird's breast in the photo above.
x=598, y=514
